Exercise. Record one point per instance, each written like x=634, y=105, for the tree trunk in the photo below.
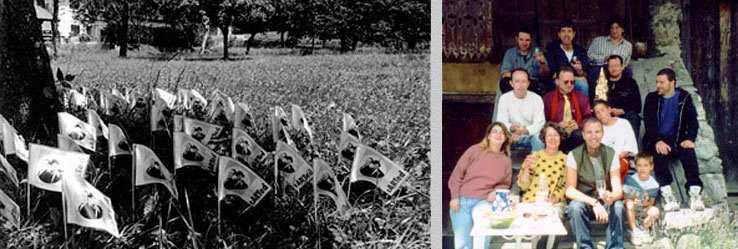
x=281, y=38
x=205, y=36
x=729, y=109
x=55, y=26
x=224, y=30
x=248, y=42
x=123, y=33
x=28, y=97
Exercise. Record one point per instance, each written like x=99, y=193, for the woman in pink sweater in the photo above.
x=482, y=169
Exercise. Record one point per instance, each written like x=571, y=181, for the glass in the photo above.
x=573, y=58
x=601, y=188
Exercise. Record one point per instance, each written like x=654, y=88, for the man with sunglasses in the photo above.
x=568, y=107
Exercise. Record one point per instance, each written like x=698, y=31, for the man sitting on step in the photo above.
x=671, y=126
x=594, y=188
x=522, y=112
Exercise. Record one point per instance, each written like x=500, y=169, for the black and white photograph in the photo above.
x=157, y=97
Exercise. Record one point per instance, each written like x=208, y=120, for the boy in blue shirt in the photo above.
x=641, y=191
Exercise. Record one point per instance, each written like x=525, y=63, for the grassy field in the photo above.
x=387, y=94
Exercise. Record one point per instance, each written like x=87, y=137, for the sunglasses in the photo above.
x=568, y=82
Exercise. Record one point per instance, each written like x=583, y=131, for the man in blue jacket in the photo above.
x=671, y=126
x=563, y=52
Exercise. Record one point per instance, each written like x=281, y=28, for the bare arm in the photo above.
x=571, y=188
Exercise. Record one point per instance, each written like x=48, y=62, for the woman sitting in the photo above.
x=551, y=163
x=482, y=169
x=618, y=134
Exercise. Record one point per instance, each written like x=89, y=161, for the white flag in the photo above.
x=190, y=152
x=9, y=209
x=236, y=179
x=244, y=116
x=349, y=125
x=95, y=121
x=66, y=143
x=347, y=147
x=178, y=121
x=47, y=166
x=149, y=169
x=198, y=98
x=13, y=143
x=163, y=100
x=86, y=206
x=201, y=131
x=289, y=164
x=9, y=170
x=183, y=98
x=118, y=143
x=300, y=122
x=81, y=132
x=370, y=165
x=325, y=183
x=244, y=148
x=77, y=99
x=280, y=125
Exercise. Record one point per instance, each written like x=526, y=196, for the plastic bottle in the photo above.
x=542, y=189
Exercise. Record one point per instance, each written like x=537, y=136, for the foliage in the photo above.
x=386, y=94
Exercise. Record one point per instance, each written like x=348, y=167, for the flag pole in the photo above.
x=220, y=234
x=28, y=199
x=133, y=183
x=64, y=214
x=189, y=212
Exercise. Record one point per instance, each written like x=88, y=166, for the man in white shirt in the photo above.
x=522, y=112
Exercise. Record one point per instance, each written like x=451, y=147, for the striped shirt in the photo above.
x=602, y=46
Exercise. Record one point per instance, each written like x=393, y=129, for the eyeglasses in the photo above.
x=569, y=82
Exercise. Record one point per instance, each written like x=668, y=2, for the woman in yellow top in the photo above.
x=552, y=162
x=549, y=161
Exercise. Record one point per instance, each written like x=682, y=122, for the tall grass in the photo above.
x=388, y=95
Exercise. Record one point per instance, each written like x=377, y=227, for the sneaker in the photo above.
x=669, y=201
x=635, y=237
x=695, y=199
x=646, y=236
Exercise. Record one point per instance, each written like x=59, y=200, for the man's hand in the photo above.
x=577, y=65
x=522, y=130
x=608, y=197
x=491, y=196
x=617, y=112
x=553, y=199
x=687, y=144
x=515, y=137
x=623, y=154
x=600, y=213
x=454, y=204
x=662, y=148
x=529, y=161
x=539, y=57
x=573, y=125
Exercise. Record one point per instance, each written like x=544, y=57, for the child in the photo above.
x=641, y=190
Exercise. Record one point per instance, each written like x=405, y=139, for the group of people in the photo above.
x=581, y=149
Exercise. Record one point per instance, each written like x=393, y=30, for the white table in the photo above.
x=520, y=229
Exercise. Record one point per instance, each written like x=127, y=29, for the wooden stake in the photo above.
x=133, y=183
x=189, y=212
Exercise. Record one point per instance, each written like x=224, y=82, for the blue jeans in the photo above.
x=579, y=216
x=462, y=224
x=532, y=141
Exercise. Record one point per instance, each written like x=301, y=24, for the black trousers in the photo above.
x=689, y=164
x=572, y=141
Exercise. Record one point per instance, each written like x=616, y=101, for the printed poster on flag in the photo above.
x=288, y=163
x=47, y=166
x=280, y=125
x=244, y=118
x=371, y=166
x=325, y=183
x=299, y=121
x=82, y=133
x=347, y=147
x=190, y=152
x=95, y=121
x=236, y=179
x=9, y=210
x=201, y=131
x=349, y=125
x=118, y=143
x=150, y=170
x=245, y=149
x=13, y=143
x=65, y=143
x=88, y=207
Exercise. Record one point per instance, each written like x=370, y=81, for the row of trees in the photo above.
x=398, y=24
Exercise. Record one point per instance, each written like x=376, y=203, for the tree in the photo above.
x=221, y=14
x=254, y=19
x=28, y=97
x=117, y=14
